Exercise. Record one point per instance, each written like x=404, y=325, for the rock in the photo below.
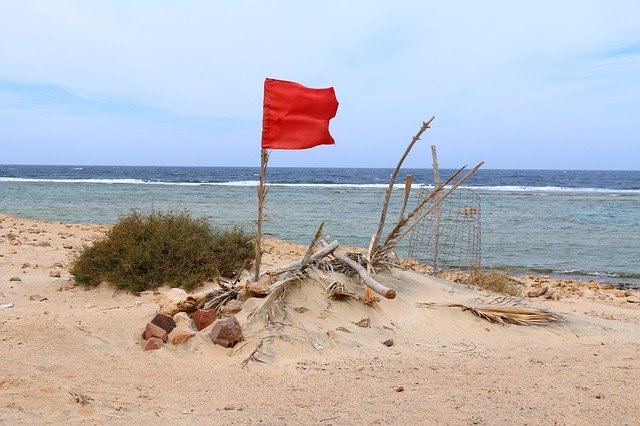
x=37, y=298
x=232, y=307
x=388, y=343
x=152, y=330
x=165, y=322
x=181, y=336
x=539, y=292
x=183, y=318
x=400, y=389
x=259, y=288
x=227, y=333
x=6, y=305
x=633, y=299
x=300, y=309
x=55, y=274
x=176, y=300
x=26, y=265
x=628, y=293
x=153, y=343
x=67, y=246
x=203, y=318
x=15, y=279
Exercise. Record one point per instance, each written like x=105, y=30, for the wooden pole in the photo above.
x=387, y=196
x=436, y=225
x=262, y=194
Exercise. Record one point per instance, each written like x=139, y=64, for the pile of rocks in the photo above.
x=182, y=327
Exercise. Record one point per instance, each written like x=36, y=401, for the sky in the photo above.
x=540, y=84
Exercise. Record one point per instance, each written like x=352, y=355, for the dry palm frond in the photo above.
x=518, y=315
x=336, y=291
x=217, y=298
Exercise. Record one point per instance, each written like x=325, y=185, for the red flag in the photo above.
x=295, y=116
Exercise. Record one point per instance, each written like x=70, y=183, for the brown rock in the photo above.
x=227, y=333
x=153, y=330
x=232, y=307
x=633, y=299
x=165, y=322
x=177, y=300
x=153, y=343
x=55, y=274
x=181, y=336
x=259, y=288
x=628, y=293
x=16, y=279
x=203, y=318
x=300, y=309
x=67, y=246
x=388, y=343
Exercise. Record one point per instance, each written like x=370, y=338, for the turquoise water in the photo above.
x=546, y=229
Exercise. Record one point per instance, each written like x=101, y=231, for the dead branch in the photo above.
x=366, y=278
x=387, y=196
x=262, y=195
x=298, y=263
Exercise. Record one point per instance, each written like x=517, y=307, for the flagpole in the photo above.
x=262, y=193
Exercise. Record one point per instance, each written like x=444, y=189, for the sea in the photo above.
x=579, y=224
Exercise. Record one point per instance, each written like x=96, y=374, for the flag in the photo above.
x=295, y=116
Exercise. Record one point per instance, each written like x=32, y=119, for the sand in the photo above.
x=446, y=366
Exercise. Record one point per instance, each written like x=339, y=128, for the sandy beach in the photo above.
x=60, y=343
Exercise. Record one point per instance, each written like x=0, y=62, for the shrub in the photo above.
x=493, y=280
x=145, y=251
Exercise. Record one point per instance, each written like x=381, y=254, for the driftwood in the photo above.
x=366, y=278
x=298, y=263
x=387, y=196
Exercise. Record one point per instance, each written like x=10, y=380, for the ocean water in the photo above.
x=573, y=223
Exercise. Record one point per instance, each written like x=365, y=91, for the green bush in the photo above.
x=145, y=251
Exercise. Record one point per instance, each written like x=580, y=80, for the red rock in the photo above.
x=165, y=322
x=153, y=343
x=203, y=318
x=181, y=336
x=227, y=333
x=153, y=330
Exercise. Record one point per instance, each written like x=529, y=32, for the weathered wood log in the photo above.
x=366, y=278
x=298, y=263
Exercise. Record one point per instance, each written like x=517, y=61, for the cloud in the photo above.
x=501, y=77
